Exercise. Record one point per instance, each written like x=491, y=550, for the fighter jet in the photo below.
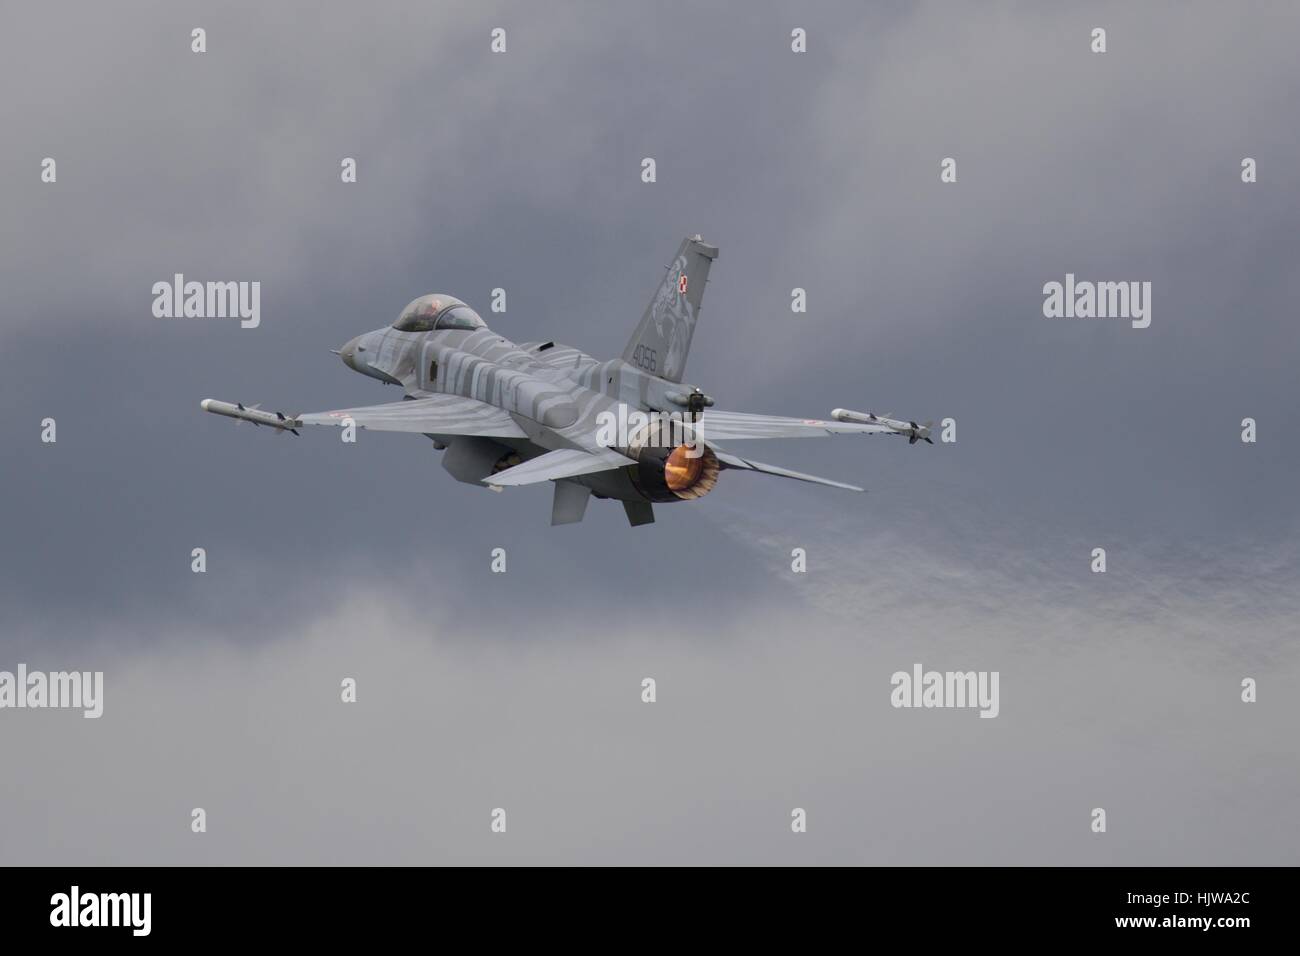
x=505, y=415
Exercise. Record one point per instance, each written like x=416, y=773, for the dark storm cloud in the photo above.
x=522, y=171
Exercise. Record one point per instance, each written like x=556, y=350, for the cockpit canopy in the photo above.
x=440, y=312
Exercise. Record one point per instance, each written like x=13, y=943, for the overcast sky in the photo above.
x=522, y=170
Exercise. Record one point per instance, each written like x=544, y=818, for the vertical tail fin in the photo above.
x=663, y=338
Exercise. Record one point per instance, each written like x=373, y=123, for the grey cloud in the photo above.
x=818, y=171
x=749, y=723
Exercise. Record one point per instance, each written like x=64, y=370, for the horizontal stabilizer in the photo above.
x=564, y=463
x=733, y=461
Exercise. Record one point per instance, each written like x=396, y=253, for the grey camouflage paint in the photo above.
x=520, y=414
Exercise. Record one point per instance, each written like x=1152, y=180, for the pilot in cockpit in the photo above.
x=438, y=312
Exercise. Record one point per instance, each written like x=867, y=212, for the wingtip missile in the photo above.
x=912, y=430
x=239, y=412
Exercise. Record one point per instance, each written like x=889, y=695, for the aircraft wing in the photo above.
x=732, y=426
x=433, y=414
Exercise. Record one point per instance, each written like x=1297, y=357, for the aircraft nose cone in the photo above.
x=349, y=353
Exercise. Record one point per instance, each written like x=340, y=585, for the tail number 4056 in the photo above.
x=645, y=358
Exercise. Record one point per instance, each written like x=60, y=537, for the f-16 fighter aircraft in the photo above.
x=506, y=414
